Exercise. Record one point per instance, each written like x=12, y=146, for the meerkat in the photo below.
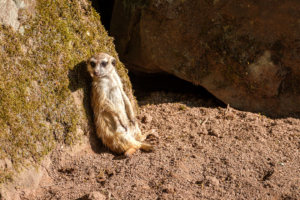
x=113, y=114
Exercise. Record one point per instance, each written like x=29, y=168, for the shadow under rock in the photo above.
x=166, y=88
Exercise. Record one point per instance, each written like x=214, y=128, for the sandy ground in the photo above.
x=201, y=153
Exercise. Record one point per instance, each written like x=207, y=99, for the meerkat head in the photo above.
x=100, y=65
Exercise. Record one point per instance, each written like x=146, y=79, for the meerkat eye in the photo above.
x=93, y=64
x=103, y=64
x=114, y=62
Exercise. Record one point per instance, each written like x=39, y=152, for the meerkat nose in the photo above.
x=97, y=73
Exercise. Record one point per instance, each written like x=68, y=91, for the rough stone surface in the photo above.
x=5, y=164
x=26, y=183
x=245, y=53
x=9, y=193
x=9, y=11
x=29, y=178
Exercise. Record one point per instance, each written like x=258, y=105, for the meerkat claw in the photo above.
x=132, y=121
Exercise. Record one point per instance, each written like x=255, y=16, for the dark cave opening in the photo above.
x=159, y=87
x=167, y=88
x=105, y=8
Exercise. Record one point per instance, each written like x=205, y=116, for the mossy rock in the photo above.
x=42, y=64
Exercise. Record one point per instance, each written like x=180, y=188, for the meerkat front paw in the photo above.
x=125, y=127
x=132, y=121
x=122, y=123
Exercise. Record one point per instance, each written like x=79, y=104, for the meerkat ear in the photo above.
x=113, y=62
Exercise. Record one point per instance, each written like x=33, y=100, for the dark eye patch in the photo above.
x=103, y=64
x=114, y=62
x=93, y=64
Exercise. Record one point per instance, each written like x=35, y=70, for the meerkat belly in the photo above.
x=115, y=96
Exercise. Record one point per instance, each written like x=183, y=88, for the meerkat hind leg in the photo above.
x=145, y=147
x=129, y=152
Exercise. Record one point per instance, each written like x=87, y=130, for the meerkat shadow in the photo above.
x=80, y=83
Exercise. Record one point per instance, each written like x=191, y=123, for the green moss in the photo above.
x=132, y=5
x=182, y=107
x=37, y=110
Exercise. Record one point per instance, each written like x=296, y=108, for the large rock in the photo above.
x=246, y=53
x=44, y=84
x=9, y=12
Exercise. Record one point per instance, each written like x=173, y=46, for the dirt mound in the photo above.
x=201, y=153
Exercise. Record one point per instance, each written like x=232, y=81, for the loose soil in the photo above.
x=201, y=153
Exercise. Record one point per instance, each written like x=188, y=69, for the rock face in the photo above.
x=246, y=53
x=9, y=12
x=44, y=84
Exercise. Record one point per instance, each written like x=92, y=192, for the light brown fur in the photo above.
x=114, y=116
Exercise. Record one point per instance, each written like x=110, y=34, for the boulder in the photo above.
x=44, y=84
x=245, y=53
